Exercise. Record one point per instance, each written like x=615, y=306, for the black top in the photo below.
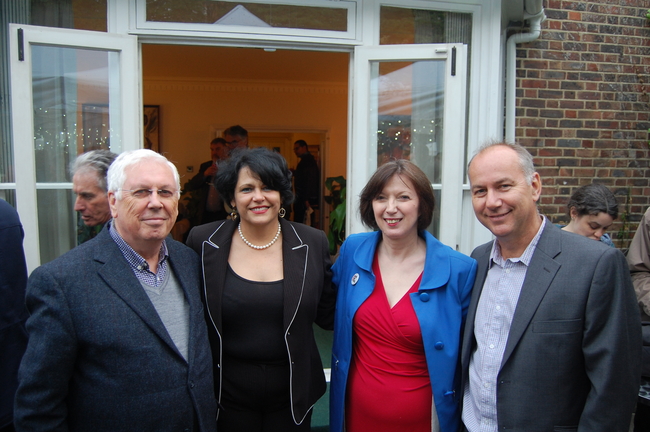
x=252, y=320
x=308, y=298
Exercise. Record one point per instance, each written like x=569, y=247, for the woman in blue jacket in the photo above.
x=402, y=301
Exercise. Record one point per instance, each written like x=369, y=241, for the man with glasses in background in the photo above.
x=236, y=137
x=117, y=338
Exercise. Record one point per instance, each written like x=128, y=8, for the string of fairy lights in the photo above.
x=397, y=131
x=52, y=131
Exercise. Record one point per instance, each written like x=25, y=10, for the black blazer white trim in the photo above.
x=308, y=297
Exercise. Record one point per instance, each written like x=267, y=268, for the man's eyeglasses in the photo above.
x=146, y=193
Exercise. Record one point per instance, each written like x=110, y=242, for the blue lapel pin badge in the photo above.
x=355, y=279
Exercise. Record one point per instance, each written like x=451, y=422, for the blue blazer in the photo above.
x=99, y=357
x=440, y=305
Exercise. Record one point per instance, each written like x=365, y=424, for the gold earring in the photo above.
x=233, y=213
x=282, y=212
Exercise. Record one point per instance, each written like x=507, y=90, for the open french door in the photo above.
x=72, y=91
x=409, y=102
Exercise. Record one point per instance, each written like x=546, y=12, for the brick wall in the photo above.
x=583, y=104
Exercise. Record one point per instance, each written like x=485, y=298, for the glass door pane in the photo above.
x=410, y=109
x=74, y=91
x=65, y=81
x=413, y=103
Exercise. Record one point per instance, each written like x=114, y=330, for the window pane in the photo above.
x=56, y=222
x=247, y=14
x=75, y=14
x=8, y=195
x=410, y=107
x=413, y=26
x=71, y=98
x=72, y=114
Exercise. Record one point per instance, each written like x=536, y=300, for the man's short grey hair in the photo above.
x=95, y=160
x=525, y=158
x=117, y=172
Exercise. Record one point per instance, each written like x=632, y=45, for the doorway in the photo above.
x=279, y=96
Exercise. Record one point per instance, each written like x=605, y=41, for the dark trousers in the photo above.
x=642, y=418
x=255, y=398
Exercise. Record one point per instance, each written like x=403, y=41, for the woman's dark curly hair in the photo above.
x=269, y=167
x=592, y=199
x=403, y=169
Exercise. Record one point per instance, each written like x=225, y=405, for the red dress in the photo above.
x=388, y=384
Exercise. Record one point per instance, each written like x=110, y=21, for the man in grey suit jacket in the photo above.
x=117, y=336
x=552, y=340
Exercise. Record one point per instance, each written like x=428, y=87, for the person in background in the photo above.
x=210, y=206
x=592, y=209
x=266, y=282
x=638, y=259
x=401, y=304
x=236, y=137
x=306, y=182
x=89, y=185
x=13, y=313
x=553, y=336
x=117, y=335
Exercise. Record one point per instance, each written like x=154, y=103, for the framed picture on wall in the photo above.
x=152, y=127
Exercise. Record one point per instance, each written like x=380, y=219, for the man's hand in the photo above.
x=211, y=171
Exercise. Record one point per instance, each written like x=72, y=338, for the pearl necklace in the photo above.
x=269, y=244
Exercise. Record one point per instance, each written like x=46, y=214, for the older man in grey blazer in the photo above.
x=552, y=340
x=117, y=336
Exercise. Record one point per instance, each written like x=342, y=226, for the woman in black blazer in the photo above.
x=266, y=281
